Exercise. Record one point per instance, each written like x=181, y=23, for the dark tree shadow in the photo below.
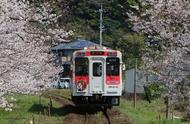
x=66, y=109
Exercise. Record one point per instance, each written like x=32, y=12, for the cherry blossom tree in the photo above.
x=166, y=21
x=25, y=38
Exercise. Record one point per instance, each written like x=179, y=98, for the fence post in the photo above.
x=33, y=119
x=135, y=83
x=50, y=106
x=45, y=114
x=40, y=99
x=40, y=115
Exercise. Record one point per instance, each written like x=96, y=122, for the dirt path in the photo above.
x=89, y=114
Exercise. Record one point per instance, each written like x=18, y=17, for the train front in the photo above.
x=97, y=77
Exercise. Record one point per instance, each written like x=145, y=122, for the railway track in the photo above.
x=88, y=114
x=104, y=110
x=86, y=110
x=86, y=121
x=105, y=117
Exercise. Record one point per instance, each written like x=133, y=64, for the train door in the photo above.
x=96, y=76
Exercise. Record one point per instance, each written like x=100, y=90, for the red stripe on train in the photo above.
x=112, y=80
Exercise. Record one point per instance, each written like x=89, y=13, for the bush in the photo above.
x=156, y=89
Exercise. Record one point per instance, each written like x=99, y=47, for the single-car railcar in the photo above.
x=97, y=77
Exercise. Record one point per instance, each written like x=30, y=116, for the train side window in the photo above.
x=97, y=69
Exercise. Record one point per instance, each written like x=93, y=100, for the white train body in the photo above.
x=97, y=76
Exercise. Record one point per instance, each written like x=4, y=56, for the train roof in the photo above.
x=97, y=48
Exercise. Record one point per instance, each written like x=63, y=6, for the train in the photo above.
x=96, y=77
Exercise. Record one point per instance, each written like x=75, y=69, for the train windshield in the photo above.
x=81, y=66
x=112, y=66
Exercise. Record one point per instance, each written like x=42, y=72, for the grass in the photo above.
x=146, y=113
x=27, y=108
x=64, y=93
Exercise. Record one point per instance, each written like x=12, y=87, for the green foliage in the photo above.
x=156, y=89
x=132, y=46
x=133, y=2
x=85, y=14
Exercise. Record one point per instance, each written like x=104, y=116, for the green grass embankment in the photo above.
x=147, y=113
x=28, y=108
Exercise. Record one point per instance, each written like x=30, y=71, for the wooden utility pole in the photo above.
x=135, y=83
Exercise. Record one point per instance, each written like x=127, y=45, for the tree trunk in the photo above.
x=167, y=108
